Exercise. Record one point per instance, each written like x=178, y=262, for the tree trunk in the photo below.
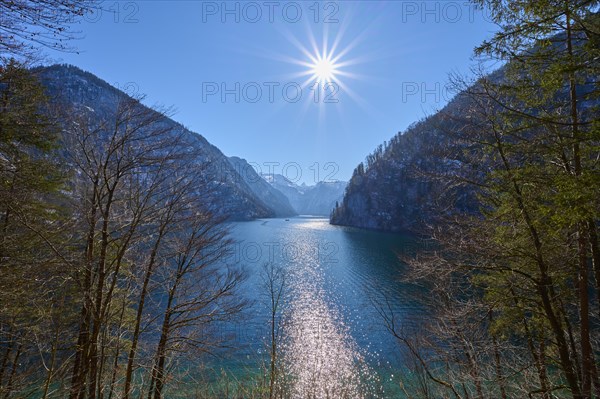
x=587, y=361
x=138, y=318
x=79, y=374
x=52, y=363
x=587, y=357
x=13, y=372
x=595, y=247
x=159, y=369
x=5, y=360
x=498, y=361
x=545, y=282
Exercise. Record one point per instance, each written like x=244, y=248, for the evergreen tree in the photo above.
x=32, y=256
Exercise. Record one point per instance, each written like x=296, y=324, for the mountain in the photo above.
x=418, y=177
x=321, y=198
x=273, y=198
x=233, y=196
x=318, y=200
x=389, y=193
x=414, y=178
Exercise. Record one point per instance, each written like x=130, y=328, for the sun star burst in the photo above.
x=324, y=69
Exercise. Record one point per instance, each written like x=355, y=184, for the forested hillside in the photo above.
x=399, y=186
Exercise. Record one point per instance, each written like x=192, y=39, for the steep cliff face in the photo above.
x=232, y=196
x=396, y=189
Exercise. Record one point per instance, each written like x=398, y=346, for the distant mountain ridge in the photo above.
x=318, y=200
x=233, y=197
x=272, y=197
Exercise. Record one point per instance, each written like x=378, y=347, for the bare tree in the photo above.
x=27, y=25
x=199, y=291
x=274, y=280
x=121, y=165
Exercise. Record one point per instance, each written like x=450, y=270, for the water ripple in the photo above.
x=320, y=358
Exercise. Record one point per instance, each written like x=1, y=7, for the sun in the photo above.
x=323, y=69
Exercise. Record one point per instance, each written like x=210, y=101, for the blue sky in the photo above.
x=393, y=62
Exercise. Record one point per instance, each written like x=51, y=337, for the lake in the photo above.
x=333, y=339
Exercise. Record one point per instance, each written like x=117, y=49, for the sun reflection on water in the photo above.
x=319, y=357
